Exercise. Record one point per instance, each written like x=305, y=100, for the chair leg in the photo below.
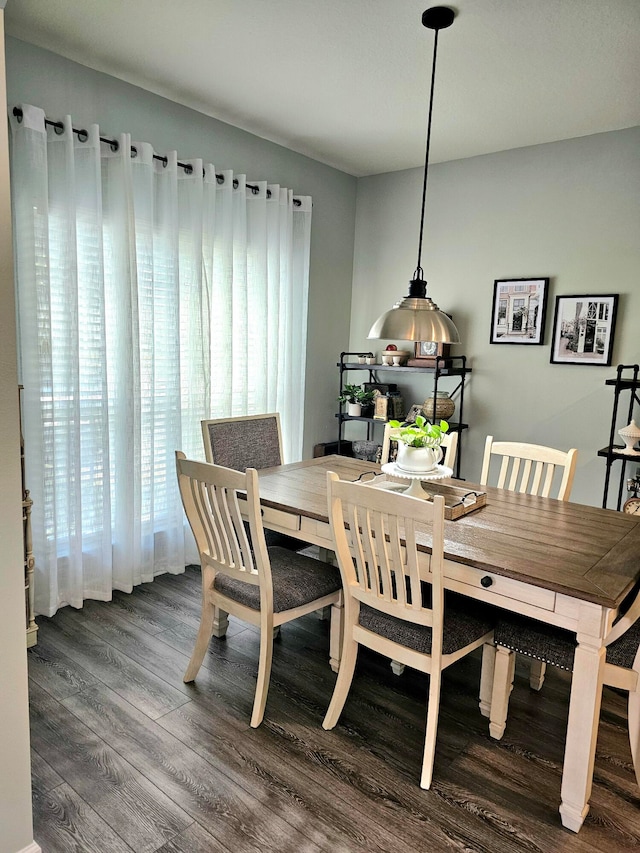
x=634, y=731
x=343, y=683
x=202, y=641
x=264, y=675
x=397, y=668
x=432, y=727
x=486, y=678
x=536, y=674
x=502, y=686
x=336, y=632
x=220, y=623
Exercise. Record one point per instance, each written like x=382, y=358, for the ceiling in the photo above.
x=346, y=81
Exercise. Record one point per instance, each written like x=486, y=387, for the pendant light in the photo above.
x=417, y=317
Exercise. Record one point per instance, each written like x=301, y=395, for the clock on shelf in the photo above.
x=427, y=352
x=632, y=504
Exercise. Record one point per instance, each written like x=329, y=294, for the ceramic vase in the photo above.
x=443, y=409
x=630, y=435
x=417, y=460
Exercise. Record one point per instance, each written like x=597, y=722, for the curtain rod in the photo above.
x=83, y=135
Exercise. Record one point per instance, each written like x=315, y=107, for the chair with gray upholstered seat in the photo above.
x=531, y=469
x=266, y=587
x=557, y=647
x=250, y=441
x=375, y=535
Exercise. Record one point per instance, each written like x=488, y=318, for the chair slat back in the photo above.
x=252, y=441
x=375, y=535
x=449, y=446
x=210, y=496
x=530, y=468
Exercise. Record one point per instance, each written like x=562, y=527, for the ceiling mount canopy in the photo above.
x=417, y=317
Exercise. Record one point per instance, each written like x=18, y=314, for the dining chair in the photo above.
x=375, y=535
x=530, y=468
x=557, y=647
x=449, y=446
x=535, y=470
x=249, y=441
x=266, y=587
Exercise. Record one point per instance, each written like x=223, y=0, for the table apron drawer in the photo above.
x=279, y=519
x=498, y=586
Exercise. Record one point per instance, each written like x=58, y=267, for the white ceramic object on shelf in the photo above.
x=391, y=357
x=630, y=435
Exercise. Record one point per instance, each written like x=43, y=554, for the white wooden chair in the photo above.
x=449, y=446
x=530, y=468
x=265, y=587
x=557, y=647
x=535, y=470
x=376, y=555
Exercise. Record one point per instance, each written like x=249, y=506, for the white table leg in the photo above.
x=336, y=632
x=582, y=731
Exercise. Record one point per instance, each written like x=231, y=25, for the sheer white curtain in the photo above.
x=149, y=297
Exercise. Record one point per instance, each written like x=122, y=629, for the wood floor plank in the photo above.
x=64, y=823
x=245, y=821
x=58, y=674
x=194, y=839
x=137, y=685
x=143, y=815
x=43, y=777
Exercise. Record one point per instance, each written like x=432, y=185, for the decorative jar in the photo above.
x=444, y=407
x=630, y=435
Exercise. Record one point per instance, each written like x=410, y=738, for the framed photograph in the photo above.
x=413, y=413
x=519, y=310
x=583, y=329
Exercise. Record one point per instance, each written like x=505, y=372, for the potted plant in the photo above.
x=355, y=397
x=419, y=443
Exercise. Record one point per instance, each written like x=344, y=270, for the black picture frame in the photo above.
x=584, y=329
x=519, y=311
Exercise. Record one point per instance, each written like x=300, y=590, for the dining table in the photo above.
x=562, y=563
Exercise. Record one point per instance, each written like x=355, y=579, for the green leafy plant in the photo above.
x=422, y=433
x=356, y=394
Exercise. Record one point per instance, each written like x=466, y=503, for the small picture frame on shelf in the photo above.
x=583, y=329
x=519, y=311
x=381, y=408
x=413, y=413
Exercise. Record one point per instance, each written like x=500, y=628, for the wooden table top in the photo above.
x=581, y=551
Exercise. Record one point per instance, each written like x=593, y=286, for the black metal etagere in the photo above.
x=443, y=366
x=627, y=380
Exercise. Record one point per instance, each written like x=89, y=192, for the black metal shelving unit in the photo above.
x=444, y=366
x=627, y=380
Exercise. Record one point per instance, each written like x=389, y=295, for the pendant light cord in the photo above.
x=419, y=273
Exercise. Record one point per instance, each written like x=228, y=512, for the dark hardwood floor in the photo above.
x=127, y=757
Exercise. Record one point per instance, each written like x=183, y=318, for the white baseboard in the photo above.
x=31, y=848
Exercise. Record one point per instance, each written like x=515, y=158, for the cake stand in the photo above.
x=415, y=490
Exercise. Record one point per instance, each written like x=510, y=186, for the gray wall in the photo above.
x=569, y=211
x=62, y=87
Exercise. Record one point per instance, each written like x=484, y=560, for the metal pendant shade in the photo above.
x=417, y=317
